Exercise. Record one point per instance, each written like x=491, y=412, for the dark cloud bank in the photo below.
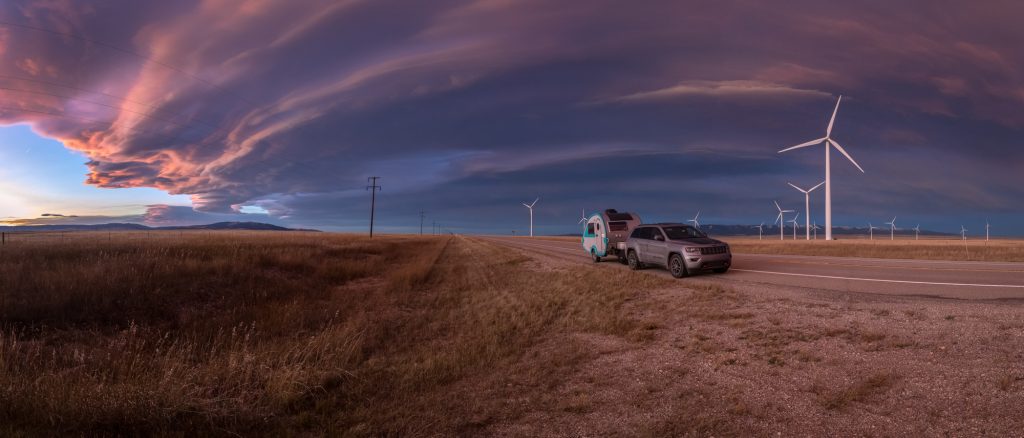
x=467, y=108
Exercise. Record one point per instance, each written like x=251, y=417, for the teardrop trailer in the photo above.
x=605, y=234
x=682, y=249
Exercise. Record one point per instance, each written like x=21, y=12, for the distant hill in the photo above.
x=247, y=226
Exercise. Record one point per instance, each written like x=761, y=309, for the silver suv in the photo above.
x=680, y=248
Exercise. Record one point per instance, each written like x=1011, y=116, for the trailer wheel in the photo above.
x=593, y=256
x=634, y=262
x=622, y=258
x=676, y=266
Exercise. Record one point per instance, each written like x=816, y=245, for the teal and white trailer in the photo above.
x=605, y=233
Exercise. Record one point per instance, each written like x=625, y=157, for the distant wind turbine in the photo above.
x=694, y=220
x=892, y=228
x=871, y=229
x=963, y=233
x=816, y=228
x=917, y=231
x=794, y=224
x=986, y=229
x=828, y=141
x=760, y=228
x=807, y=205
x=530, y=206
x=583, y=215
x=778, y=219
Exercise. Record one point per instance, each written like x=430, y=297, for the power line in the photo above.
x=373, y=188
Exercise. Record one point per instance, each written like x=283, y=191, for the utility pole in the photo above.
x=372, y=187
x=422, y=215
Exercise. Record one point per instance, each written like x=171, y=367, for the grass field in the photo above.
x=274, y=333
x=1004, y=250
x=996, y=250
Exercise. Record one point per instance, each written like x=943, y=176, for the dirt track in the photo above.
x=729, y=356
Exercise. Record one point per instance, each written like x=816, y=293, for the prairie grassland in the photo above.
x=1003, y=250
x=278, y=333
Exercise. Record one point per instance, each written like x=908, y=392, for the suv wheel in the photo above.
x=633, y=261
x=594, y=256
x=676, y=266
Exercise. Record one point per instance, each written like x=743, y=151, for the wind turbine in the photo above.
x=828, y=141
x=760, y=228
x=963, y=233
x=694, y=220
x=816, y=228
x=807, y=205
x=986, y=229
x=782, y=224
x=892, y=228
x=583, y=215
x=794, y=224
x=917, y=231
x=530, y=206
x=871, y=229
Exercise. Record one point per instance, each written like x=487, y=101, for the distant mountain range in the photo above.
x=248, y=226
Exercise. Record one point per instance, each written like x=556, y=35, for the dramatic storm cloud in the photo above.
x=467, y=108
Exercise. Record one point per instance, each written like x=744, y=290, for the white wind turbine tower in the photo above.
x=892, y=228
x=530, y=206
x=807, y=205
x=816, y=228
x=694, y=220
x=917, y=231
x=963, y=233
x=986, y=229
x=794, y=224
x=871, y=229
x=827, y=140
x=782, y=224
x=760, y=228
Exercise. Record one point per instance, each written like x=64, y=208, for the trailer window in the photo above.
x=617, y=226
x=590, y=229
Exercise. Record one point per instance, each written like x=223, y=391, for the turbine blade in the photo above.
x=803, y=145
x=848, y=157
x=795, y=187
x=777, y=205
x=819, y=185
x=828, y=132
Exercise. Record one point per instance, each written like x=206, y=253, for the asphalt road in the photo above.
x=945, y=279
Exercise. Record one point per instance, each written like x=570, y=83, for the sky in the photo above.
x=277, y=111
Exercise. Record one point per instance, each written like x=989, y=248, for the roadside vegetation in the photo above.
x=262, y=333
x=999, y=250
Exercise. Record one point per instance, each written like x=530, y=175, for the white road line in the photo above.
x=1015, y=286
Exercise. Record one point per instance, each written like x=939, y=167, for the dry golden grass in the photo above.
x=926, y=249
x=277, y=333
